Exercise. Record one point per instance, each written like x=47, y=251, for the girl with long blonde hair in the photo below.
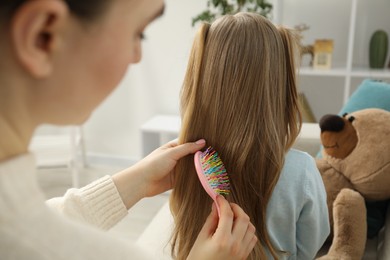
x=240, y=94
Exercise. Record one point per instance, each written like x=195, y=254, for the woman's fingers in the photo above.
x=243, y=232
x=226, y=218
x=252, y=243
x=231, y=236
x=179, y=151
x=171, y=143
x=156, y=169
x=210, y=225
x=249, y=239
x=241, y=222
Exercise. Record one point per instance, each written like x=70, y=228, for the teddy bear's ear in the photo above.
x=332, y=123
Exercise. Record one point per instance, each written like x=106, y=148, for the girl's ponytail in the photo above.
x=181, y=196
x=292, y=113
x=193, y=73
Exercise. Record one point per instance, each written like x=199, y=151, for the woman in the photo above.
x=59, y=60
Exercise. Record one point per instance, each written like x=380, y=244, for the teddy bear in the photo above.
x=355, y=169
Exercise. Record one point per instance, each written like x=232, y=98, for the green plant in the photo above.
x=217, y=8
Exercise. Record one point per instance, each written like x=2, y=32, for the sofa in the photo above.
x=155, y=237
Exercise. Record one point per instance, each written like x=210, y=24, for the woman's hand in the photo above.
x=158, y=166
x=153, y=174
x=232, y=237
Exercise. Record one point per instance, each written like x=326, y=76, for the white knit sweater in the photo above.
x=70, y=227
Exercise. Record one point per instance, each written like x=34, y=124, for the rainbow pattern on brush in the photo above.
x=215, y=172
x=212, y=173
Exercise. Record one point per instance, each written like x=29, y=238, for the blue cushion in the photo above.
x=370, y=94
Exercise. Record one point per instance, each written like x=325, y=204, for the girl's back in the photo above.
x=297, y=215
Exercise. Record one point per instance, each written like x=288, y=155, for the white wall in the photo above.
x=152, y=87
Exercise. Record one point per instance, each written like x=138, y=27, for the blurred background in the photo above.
x=112, y=134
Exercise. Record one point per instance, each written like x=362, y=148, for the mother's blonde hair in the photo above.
x=239, y=93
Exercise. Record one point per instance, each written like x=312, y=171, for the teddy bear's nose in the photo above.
x=333, y=123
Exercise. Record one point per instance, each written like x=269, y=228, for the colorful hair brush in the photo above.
x=212, y=173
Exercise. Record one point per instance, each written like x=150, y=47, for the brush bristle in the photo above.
x=215, y=171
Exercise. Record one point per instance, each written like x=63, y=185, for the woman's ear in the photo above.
x=36, y=31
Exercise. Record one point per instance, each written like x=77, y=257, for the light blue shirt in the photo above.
x=297, y=213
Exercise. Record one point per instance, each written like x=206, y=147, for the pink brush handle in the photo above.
x=203, y=179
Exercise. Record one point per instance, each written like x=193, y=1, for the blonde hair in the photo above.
x=239, y=93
